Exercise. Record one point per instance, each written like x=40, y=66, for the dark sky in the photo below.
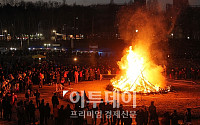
x=89, y=2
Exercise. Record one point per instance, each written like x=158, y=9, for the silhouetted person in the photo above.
x=166, y=119
x=95, y=109
x=140, y=117
x=102, y=109
x=1, y=110
x=26, y=112
x=47, y=111
x=4, y=107
x=32, y=112
x=37, y=98
x=68, y=111
x=152, y=112
x=155, y=122
x=128, y=121
x=9, y=108
x=114, y=109
x=20, y=113
x=61, y=115
x=188, y=115
x=121, y=116
x=109, y=114
x=42, y=111
x=55, y=100
x=78, y=104
x=146, y=116
x=69, y=77
x=55, y=114
x=174, y=118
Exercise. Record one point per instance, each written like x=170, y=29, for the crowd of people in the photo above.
x=103, y=113
x=185, y=73
x=19, y=76
x=25, y=110
x=150, y=117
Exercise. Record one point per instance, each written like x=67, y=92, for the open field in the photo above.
x=186, y=95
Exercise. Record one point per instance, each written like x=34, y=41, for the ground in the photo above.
x=186, y=95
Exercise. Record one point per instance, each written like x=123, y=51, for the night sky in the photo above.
x=88, y=2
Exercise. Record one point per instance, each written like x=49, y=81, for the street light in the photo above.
x=47, y=45
x=75, y=59
x=5, y=31
x=54, y=31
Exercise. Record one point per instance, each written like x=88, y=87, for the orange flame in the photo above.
x=142, y=65
x=138, y=73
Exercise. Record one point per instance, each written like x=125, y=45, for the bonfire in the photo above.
x=137, y=73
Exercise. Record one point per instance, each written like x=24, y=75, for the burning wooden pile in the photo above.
x=138, y=74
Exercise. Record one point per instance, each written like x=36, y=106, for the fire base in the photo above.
x=110, y=87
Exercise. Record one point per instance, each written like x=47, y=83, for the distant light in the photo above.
x=172, y=34
x=54, y=31
x=13, y=48
x=71, y=36
x=45, y=44
x=75, y=59
x=100, y=52
x=49, y=44
x=29, y=48
x=168, y=56
x=55, y=48
x=5, y=31
x=136, y=31
x=188, y=37
x=39, y=58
